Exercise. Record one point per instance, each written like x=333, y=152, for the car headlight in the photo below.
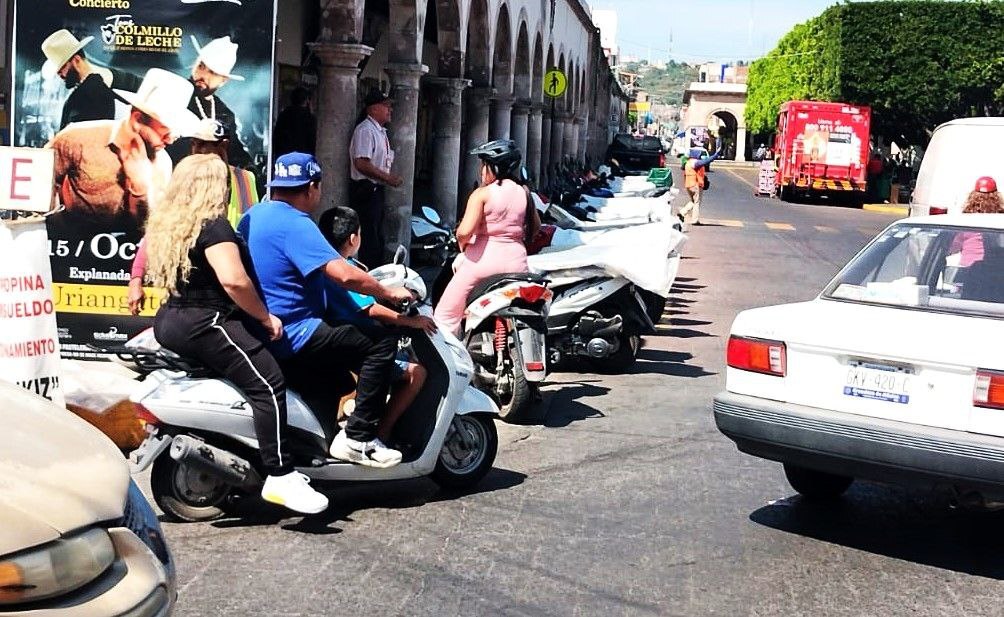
x=55, y=568
x=140, y=519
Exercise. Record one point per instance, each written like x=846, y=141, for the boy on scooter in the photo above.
x=340, y=226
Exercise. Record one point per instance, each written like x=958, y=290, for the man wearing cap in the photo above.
x=213, y=68
x=108, y=167
x=293, y=261
x=370, y=170
x=91, y=96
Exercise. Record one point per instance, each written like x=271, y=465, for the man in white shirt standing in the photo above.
x=372, y=159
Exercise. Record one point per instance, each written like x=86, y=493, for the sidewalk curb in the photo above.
x=887, y=209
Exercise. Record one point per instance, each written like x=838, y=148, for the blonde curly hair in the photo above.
x=198, y=193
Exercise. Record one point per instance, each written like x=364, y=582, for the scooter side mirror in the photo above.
x=431, y=215
x=400, y=255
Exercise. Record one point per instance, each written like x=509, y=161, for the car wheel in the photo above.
x=813, y=484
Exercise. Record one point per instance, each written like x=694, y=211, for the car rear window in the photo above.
x=947, y=269
x=641, y=144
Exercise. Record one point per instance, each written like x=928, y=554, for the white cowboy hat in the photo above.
x=58, y=48
x=219, y=56
x=164, y=97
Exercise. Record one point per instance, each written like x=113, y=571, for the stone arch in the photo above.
x=537, y=76
x=724, y=123
x=450, y=40
x=549, y=64
x=522, y=83
x=502, y=67
x=477, y=61
x=569, y=98
x=406, y=31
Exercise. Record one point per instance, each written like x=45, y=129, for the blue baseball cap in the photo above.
x=295, y=169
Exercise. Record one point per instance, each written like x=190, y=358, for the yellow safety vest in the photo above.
x=243, y=194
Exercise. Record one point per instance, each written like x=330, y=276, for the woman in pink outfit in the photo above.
x=498, y=223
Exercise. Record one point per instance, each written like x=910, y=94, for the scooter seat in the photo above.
x=190, y=366
x=498, y=280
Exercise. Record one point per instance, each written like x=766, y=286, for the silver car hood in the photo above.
x=57, y=473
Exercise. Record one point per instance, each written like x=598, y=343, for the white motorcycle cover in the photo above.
x=654, y=208
x=631, y=184
x=641, y=254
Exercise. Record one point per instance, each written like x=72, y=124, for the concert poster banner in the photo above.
x=115, y=87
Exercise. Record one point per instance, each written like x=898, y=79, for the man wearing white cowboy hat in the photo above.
x=213, y=68
x=111, y=168
x=91, y=85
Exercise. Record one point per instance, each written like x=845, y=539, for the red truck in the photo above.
x=822, y=148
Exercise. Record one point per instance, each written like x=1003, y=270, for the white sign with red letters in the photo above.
x=29, y=337
x=26, y=178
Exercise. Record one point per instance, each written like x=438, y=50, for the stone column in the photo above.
x=573, y=137
x=545, y=145
x=557, y=139
x=521, y=125
x=534, y=143
x=570, y=136
x=584, y=140
x=476, y=127
x=501, y=117
x=446, y=145
x=404, y=80
x=336, y=114
x=741, y=144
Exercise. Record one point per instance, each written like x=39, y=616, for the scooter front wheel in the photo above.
x=186, y=494
x=468, y=452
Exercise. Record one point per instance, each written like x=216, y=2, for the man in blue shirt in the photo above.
x=292, y=261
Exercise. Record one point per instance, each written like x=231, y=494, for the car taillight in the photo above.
x=145, y=414
x=534, y=367
x=934, y=210
x=989, y=390
x=662, y=159
x=534, y=293
x=757, y=355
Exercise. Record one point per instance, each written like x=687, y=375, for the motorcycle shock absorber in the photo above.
x=501, y=334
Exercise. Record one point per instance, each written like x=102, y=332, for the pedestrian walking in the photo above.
x=370, y=171
x=695, y=177
x=296, y=126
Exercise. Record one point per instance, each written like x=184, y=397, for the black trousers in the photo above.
x=369, y=201
x=222, y=341
x=317, y=370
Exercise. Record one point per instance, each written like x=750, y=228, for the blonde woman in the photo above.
x=215, y=315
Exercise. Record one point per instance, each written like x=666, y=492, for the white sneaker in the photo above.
x=370, y=453
x=293, y=491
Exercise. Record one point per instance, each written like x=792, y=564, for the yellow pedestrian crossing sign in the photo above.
x=555, y=83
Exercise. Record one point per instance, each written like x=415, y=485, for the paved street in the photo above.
x=624, y=499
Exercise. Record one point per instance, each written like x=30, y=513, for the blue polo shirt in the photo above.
x=289, y=254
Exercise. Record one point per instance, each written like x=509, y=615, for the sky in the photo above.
x=713, y=30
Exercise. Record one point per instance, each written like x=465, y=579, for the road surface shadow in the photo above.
x=910, y=524
x=668, y=363
x=689, y=322
x=682, y=333
x=563, y=406
x=347, y=499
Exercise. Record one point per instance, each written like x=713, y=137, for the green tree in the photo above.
x=916, y=63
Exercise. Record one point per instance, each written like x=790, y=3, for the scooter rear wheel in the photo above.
x=186, y=494
x=466, y=458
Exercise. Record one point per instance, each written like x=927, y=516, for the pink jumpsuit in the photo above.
x=496, y=249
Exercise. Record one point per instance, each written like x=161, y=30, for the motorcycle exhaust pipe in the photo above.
x=217, y=462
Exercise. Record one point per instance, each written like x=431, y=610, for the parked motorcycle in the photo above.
x=505, y=327
x=201, y=440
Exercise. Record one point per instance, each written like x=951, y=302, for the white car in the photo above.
x=893, y=374
x=77, y=537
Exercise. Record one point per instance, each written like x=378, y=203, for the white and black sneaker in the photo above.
x=370, y=453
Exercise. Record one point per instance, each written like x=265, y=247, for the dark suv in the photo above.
x=635, y=154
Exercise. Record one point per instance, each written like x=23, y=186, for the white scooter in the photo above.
x=201, y=439
x=505, y=327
